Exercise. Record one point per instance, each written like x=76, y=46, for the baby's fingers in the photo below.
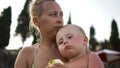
x=58, y=65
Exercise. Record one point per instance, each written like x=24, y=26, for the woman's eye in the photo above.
x=61, y=14
x=53, y=14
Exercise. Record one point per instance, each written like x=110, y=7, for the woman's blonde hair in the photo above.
x=35, y=10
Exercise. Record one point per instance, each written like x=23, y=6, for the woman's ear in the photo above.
x=35, y=21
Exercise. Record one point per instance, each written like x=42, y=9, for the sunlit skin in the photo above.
x=48, y=23
x=72, y=44
x=50, y=20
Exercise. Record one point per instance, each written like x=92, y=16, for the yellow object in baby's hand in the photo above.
x=52, y=62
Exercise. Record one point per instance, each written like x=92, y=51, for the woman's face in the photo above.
x=51, y=19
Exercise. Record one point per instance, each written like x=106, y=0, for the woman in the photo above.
x=47, y=16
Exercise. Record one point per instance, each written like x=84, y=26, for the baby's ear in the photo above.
x=85, y=40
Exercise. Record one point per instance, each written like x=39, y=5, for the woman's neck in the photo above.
x=47, y=42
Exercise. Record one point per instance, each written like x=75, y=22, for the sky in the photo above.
x=85, y=13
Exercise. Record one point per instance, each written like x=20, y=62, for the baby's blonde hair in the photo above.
x=78, y=27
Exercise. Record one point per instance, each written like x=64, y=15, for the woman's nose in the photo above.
x=60, y=20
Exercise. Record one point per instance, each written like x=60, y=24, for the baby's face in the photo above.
x=70, y=41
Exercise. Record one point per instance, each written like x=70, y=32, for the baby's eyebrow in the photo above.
x=59, y=39
x=68, y=34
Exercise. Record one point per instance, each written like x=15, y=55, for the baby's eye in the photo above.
x=69, y=36
x=60, y=42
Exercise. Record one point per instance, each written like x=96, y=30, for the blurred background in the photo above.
x=100, y=20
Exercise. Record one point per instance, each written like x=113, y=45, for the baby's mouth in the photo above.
x=67, y=47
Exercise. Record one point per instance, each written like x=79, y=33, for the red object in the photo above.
x=109, y=56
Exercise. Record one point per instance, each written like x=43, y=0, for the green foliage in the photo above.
x=92, y=41
x=5, y=22
x=69, y=21
x=23, y=22
x=114, y=38
x=92, y=31
x=36, y=36
x=104, y=44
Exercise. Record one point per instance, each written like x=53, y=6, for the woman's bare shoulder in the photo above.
x=95, y=61
x=93, y=54
x=25, y=56
x=29, y=50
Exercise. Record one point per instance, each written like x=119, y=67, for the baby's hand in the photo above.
x=56, y=63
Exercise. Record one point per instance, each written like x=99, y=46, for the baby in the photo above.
x=72, y=44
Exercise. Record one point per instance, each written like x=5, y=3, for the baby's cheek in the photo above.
x=77, y=39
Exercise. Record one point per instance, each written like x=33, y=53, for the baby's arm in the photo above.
x=95, y=61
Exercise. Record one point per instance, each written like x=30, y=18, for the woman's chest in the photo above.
x=79, y=64
x=43, y=58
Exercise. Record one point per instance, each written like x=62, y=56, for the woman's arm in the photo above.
x=95, y=61
x=22, y=58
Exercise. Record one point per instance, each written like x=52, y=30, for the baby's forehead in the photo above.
x=69, y=28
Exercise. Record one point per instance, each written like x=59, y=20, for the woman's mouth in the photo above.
x=58, y=27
